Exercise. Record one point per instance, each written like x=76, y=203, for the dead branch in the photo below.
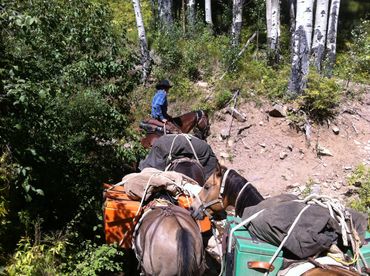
x=240, y=53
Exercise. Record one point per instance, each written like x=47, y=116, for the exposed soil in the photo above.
x=276, y=158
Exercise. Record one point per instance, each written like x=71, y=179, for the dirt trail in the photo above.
x=276, y=158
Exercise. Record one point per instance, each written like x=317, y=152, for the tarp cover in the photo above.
x=315, y=231
x=173, y=182
x=158, y=156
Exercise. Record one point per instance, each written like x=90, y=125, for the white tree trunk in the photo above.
x=165, y=12
x=145, y=58
x=319, y=36
x=331, y=39
x=191, y=12
x=301, y=47
x=237, y=21
x=273, y=29
x=292, y=12
x=208, y=12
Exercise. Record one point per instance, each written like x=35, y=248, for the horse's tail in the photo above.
x=187, y=261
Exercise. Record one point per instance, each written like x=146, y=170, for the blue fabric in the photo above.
x=159, y=105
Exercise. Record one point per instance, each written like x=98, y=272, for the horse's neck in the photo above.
x=241, y=194
x=233, y=189
x=188, y=121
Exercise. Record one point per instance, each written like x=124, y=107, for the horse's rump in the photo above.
x=168, y=242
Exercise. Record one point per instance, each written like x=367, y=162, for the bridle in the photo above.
x=200, y=119
x=219, y=200
x=204, y=205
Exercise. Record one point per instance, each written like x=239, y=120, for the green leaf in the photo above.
x=39, y=192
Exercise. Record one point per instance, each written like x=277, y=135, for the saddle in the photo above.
x=155, y=126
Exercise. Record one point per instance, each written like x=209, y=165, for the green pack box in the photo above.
x=247, y=249
x=365, y=249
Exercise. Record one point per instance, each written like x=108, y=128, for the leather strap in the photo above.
x=261, y=265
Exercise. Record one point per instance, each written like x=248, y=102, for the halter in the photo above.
x=200, y=115
x=204, y=206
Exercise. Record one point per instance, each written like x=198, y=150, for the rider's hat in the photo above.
x=163, y=84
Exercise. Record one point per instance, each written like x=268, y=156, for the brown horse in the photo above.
x=168, y=242
x=228, y=188
x=225, y=188
x=197, y=120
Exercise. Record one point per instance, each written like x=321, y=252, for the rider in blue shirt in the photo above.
x=159, y=102
x=159, y=106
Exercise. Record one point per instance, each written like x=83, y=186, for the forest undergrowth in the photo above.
x=70, y=103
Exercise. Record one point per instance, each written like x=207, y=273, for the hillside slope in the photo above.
x=277, y=158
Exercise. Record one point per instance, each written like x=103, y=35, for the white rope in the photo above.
x=240, y=192
x=147, y=186
x=336, y=209
x=188, y=138
x=244, y=222
x=286, y=237
x=342, y=216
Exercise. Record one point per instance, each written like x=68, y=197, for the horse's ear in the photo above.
x=219, y=169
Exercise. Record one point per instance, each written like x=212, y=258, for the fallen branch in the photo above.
x=240, y=53
x=235, y=98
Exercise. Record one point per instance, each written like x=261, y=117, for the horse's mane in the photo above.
x=233, y=185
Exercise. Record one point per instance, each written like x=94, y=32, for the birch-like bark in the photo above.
x=292, y=12
x=165, y=13
x=301, y=47
x=331, y=39
x=191, y=12
x=319, y=36
x=208, y=12
x=145, y=58
x=236, y=26
x=273, y=29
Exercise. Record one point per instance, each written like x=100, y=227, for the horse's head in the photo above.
x=225, y=187
x=202, y=127
x=209, y=200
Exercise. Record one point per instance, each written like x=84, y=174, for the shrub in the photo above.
x=354, y=65
x=361, y=178
x=320, y=98
x=65, y=115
